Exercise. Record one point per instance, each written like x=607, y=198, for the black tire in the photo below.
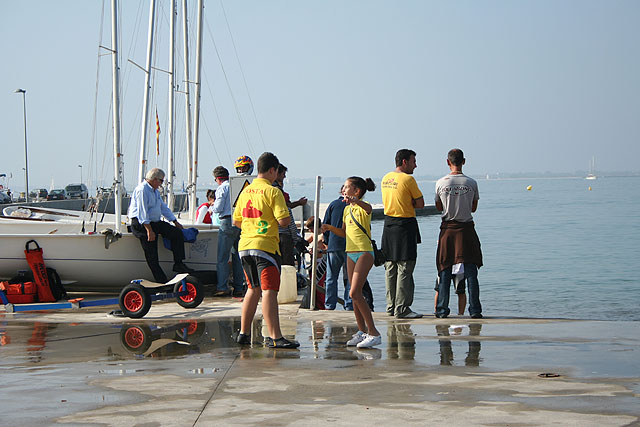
x=196, y=292
x=135, y=338
x=134, y=301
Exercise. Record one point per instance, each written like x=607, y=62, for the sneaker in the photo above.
x=370, y=341
x=410, y=315
x=243, y=339
x=356, y=338
x=476, y=316
x=281, y=342
x=180, y=267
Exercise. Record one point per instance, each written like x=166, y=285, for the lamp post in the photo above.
x=26, y=162
x=80, y=166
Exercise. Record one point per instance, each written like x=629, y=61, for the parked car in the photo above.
x=58, y=194
x=77, y=191
x=38, y=194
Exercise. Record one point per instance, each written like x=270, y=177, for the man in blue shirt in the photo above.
x=146, y=211
x=228, y=236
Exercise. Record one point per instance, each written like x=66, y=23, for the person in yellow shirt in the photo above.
x=400, y=235
x=259, y=210
x=356, y=228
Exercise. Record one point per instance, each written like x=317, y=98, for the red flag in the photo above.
x=157, y=134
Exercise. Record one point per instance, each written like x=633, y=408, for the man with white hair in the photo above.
x=146, y=211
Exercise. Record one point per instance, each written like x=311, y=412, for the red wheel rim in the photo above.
x=193, y=326
x=191, y=295
x=133, y=301
x=134, y=337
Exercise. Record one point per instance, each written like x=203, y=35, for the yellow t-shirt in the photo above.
x=357, y=240
x=259, y=207
x=398, y=191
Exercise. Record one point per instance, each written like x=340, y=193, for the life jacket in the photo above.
x=207, y=217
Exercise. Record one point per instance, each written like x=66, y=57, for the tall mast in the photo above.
x=196, y=124
x=147, y=88
x=117, y=155
x=172, y=88
x=186, y=91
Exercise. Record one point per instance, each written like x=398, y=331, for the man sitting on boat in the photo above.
x=146, y=211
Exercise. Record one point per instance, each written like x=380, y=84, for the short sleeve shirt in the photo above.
x=357, y=240
x=399, y=189
x=457, y=193
x=259, y=207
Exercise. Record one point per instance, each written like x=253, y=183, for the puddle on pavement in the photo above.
x=461, y=343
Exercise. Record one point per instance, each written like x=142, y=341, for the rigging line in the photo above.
x=233, y=98
x=215, y=109
x=94, y=131
x=235, y=50
x=211, y=139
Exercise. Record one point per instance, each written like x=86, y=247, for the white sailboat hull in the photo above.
x=84, y=263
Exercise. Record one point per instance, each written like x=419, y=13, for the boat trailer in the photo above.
x=134, y=300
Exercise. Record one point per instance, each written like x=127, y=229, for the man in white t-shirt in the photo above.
x=458, y=244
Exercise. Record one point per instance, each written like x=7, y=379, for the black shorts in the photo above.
x=261, y=272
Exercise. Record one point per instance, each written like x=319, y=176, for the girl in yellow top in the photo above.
x=359, y=256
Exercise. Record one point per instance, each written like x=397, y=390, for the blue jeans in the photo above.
x=336, y=261
x=228, y=237
x=471, y=277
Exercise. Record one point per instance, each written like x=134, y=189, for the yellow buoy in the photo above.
x=529, y=188
x=589, y=188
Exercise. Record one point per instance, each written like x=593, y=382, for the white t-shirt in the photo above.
x=457, y=194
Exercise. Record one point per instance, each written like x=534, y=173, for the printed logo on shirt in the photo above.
x=250, y=212
x=263, y=227
x=390, y=183
x=456, y=190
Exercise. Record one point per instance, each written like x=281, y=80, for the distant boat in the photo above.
x=592, y=169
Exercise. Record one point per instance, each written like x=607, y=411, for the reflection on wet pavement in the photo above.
x=465, y=344
x=42, y=342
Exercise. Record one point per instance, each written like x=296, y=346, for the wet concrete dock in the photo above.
x=181, y=367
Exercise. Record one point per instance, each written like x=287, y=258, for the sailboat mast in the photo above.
x=172, y=88
x=186, y=91
x=196, y=124
x=117, y=155
x=147, y=91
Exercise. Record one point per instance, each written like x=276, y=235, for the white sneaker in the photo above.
x=370, y=341
x=356, y=338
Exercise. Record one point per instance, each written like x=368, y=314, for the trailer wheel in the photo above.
x=193, y=329
x=195, y=295
x=134, y=300
x=136, y=338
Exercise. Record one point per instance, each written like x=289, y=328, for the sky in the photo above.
x=334, y=88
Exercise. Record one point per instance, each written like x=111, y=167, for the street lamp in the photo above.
x=26, y=163
x=80, y=166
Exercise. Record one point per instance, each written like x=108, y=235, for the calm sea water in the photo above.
x=559, y=250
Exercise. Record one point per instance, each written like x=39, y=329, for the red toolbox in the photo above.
x=20, y=293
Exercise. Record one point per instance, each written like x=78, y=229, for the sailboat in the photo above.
x=89, y=257
x=592, y=169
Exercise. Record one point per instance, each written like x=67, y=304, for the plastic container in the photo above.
x=288, y=285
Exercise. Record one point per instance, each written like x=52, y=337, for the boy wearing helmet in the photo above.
x=244, y=165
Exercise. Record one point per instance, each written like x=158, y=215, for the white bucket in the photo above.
x=288, y=285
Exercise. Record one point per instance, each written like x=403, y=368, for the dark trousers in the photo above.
x=164, y=229
x=286, y=249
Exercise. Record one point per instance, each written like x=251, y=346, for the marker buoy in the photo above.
x=529, y=188
x=589, y=188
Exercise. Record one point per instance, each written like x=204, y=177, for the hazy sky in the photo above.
x=337, y=86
